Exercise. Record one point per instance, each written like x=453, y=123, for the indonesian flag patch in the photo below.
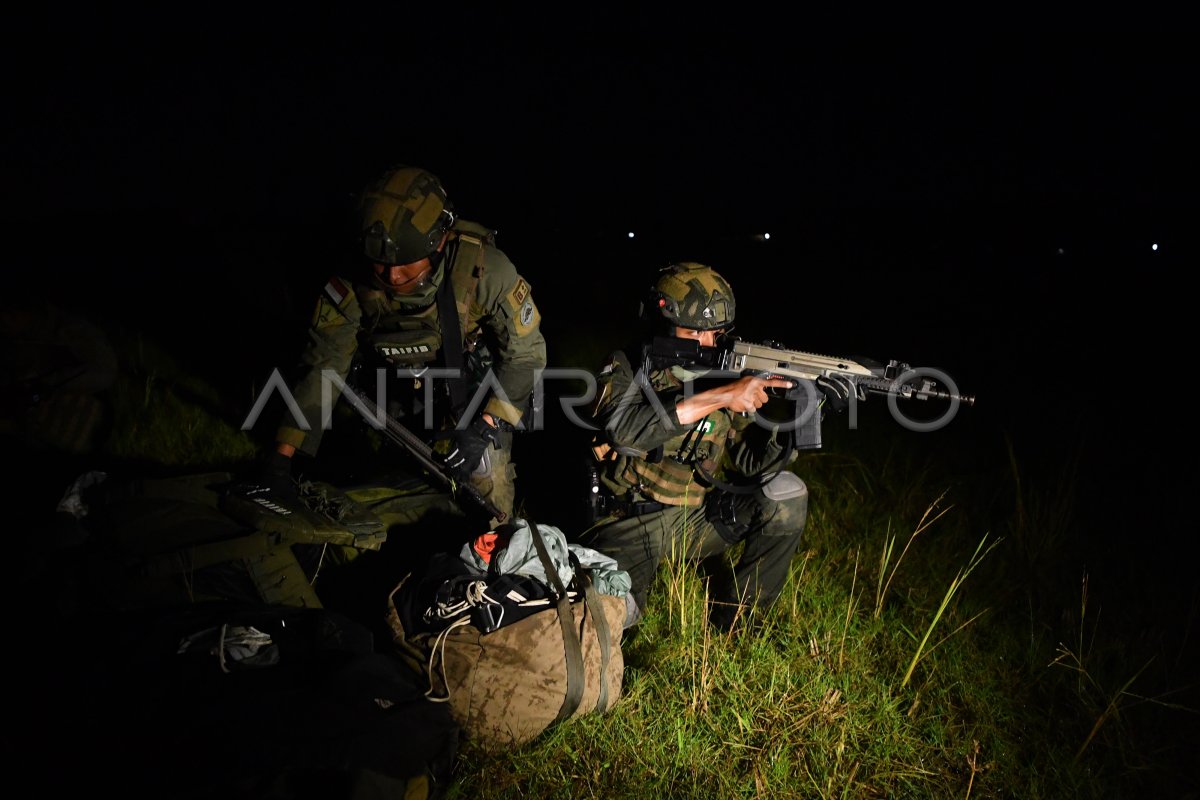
x=336, y=290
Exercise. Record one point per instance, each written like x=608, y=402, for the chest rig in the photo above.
x=408, y=340
x=668, y=473
x=702, y=444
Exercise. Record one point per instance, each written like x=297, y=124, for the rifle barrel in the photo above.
x=887, y=386
x=424, y=454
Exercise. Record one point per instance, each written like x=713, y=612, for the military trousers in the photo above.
x=770, y=530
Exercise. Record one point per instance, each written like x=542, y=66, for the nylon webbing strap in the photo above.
x=595, y=610
x=452, y=338
x=566, y=619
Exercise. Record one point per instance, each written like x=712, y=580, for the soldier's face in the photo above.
x=404, y=278
x=705, y=338
x=411, y=278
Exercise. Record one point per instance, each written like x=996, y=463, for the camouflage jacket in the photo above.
x=356, y=321
x=649, y=455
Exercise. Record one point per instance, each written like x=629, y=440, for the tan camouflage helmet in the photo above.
x=404, y=215
x=691, y=295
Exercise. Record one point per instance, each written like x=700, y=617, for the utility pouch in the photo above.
x=731, y=514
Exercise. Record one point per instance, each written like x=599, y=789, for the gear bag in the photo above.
x=539, y=652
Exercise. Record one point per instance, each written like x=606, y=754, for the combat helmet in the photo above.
x=404, y=214
x=690, y=295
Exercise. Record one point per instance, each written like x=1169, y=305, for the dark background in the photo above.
x=951, y=193
x=983, y=204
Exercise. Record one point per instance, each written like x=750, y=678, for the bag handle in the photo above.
x=566, y=619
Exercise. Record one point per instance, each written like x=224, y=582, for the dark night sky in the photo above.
x=918, y=189
x=268, y=119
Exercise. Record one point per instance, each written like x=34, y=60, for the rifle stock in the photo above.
x=420, y=451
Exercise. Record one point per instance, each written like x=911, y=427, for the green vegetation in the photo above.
x=162, y=415
x=963, y=666
x=918, y=675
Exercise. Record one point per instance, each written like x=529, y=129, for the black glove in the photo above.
x=272, y=479
x=837, y=390
x=470, y=443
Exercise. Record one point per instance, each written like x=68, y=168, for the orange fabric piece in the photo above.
x=485, y=545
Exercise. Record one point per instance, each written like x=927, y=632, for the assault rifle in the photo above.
x=813, y=376
x=420, y=451
x=893, y=378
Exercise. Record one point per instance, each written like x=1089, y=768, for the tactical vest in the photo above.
x=397, y=336
x=671, y=478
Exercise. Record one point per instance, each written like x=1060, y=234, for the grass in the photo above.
x=837, y=697
x=956, y=668
x=164, y=416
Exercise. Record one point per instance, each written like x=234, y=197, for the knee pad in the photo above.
x=788, y=496
x=784, y=486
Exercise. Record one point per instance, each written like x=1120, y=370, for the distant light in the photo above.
x=766, y=236
x=631, y=234
x=1060, y=251
x=1154, y=246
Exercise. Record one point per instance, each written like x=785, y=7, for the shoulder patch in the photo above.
x=527, y=318
x=519, y=293
x=336, y=291
x=327, y=314
x=524, y=313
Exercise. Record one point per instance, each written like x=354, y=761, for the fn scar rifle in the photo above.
x=853, y=380
x=813, y=376
x=893, y=378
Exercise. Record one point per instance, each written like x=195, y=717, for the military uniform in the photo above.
x=659, y=476
x=358, y=325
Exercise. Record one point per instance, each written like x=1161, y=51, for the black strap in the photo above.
x=595, y=610
x=452, y=337
x=566, y=619
x=762, y=478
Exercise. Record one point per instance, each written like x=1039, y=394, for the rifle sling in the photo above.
x=763, y=477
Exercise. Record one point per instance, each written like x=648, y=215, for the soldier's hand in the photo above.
x=749, y=394
x=837, y=390
x=271, y=479
x=470, y=443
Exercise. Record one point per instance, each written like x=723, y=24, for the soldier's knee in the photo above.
x=787, y=497
x=786, y=487
x=786, y=494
